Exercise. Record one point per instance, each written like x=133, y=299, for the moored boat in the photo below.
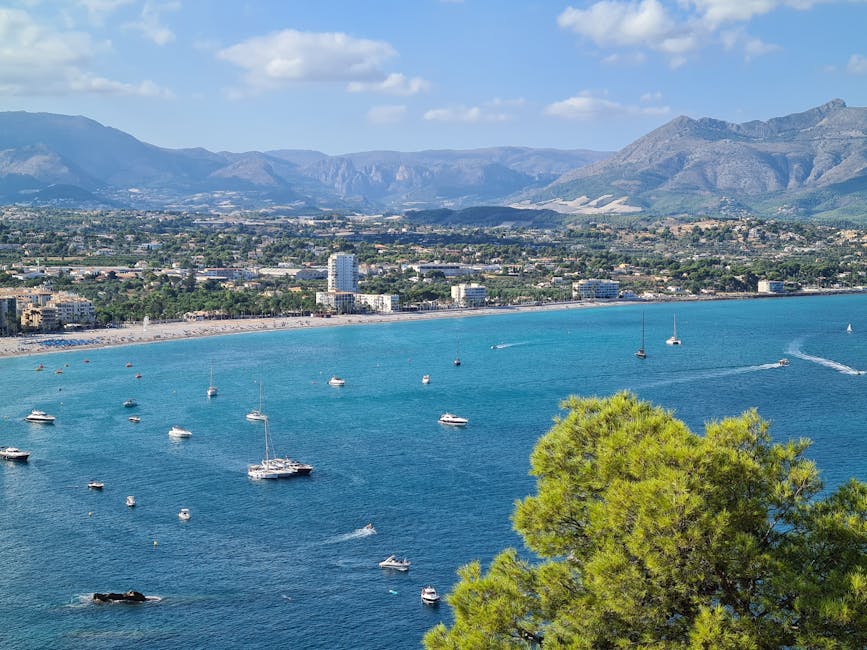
x=453, y=420
x=273, y=466
x=184, y=514
x=130, y=403
x=40, y=417
x=393, y=562
x=13, y=453
x=134, y=418
x=130, y=501
x=336, y=381
x=425, y=379
x=429, y=595
x=96, y=485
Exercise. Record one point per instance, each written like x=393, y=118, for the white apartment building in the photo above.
x=343, y=302
x=469, y=295
x=342, y=272
x=379, y=302
x=72, y=308
x=771, y=286
x=595, y=289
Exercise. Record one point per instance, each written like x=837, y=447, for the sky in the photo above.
x=359, y=75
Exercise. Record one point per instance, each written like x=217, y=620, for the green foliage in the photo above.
x=651, y=536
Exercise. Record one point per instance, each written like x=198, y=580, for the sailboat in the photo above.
x=212, y=390
x=256, y=415
x=274, y=467
x=673, y=340
x=457, y=360
x=641, y=354
x=849, y=328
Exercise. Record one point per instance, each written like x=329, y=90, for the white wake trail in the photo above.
x=795, y=351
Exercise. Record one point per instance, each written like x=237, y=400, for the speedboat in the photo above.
x=429, y=595
x=130, y=403
x=96, y=485
x=134, y=418
x=179, y=432
x=336, y=381
x=425, y=379
x=256, y=416
x=138, y=375
x=184, y=514
x=369, y=529
x=453, y=420
x=40, y=417
x=457, y=361
x=783, y=362
x=130, y=501
x=13, y=453
x=129, y=364
x=392, y=562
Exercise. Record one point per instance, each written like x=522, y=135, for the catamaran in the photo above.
x=672, y=340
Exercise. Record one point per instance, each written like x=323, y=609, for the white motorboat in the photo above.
x=179, y=432
x=783, y=362
x=134, y=419
x=429, y=595
x=256, y=415
x=96, y=485
x=453, y=420
x=392, y=562
x=184, y=514
x=672, y=340
x=13, y=453
x=212, y=389
x=336, y=381
x=273, y=466
x=130, y=501
x=40, y=417
x=425, y=379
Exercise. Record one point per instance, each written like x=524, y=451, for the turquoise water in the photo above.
x=283, y=564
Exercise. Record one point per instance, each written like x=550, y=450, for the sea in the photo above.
x=289, y=564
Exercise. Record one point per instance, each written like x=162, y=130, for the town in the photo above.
x=64, y=269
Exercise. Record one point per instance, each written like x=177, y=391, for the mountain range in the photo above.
x=805, y=165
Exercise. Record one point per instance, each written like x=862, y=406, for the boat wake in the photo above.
x=501, y=346
x=714, y=374
x=795, y=351
x=358, y=533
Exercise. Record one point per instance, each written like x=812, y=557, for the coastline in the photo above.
x=138, y=334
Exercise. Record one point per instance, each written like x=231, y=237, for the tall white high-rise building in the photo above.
x=342, y=272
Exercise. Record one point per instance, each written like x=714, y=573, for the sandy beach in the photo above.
x=137, y=333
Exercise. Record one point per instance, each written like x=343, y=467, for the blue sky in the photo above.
x=343, y=76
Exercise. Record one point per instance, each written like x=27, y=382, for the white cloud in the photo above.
x=674, y=29
x=149, y=22
x=587, y=106
x=465, y=115
x=289, y=56
x=651, y=98
x=393, y=84
x=36, y=60
x=857, y=64
x=628, y=58
x=99, y=9
x=386, y=114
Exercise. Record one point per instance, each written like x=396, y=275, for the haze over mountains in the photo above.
x=807, y=164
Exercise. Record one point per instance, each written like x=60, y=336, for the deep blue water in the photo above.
x=279, y=564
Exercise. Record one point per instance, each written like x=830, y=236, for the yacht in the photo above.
x=13, y=453
x=256, y=415
x=212, y=389
x=425, y=379
x=392, y=562
x=429, y=595
x=96, y=485
x=179, y=432
x=336, y=381
x=274, y=467
x=184, y=514
x=453, y=420
x=130, y=403
x=40, y=417
x=130, y=501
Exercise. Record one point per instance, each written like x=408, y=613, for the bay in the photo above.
x=286, y=563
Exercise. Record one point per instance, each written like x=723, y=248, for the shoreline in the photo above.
x=138, y=334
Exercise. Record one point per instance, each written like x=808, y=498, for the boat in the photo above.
x=457, y=360
x=184, y=514
x=134, y=418
x=129, y=364
x=130, y=501
x=672, y=340
x=40, y=417
x=641, y=354
x=429, y=595
x=256, y=415
x=58, y=372
x=40, y=368
x=369, y=529
x=130, y=403
x=212, y=390
x=425, y=379
x=138, y=375
x=274, y=467
x=783, y=362
x=336, y=381
x=392, y=562
x=849, y=328
x=96, y=485
x=453, y=420
x=179, y=432
x=13, y=453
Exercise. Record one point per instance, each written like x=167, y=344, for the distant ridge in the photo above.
x=807, y=164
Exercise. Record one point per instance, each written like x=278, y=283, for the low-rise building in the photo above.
x=39, y=317
x=379, y=302
x=595, y=289
x=342, y=302
x=771, y=286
